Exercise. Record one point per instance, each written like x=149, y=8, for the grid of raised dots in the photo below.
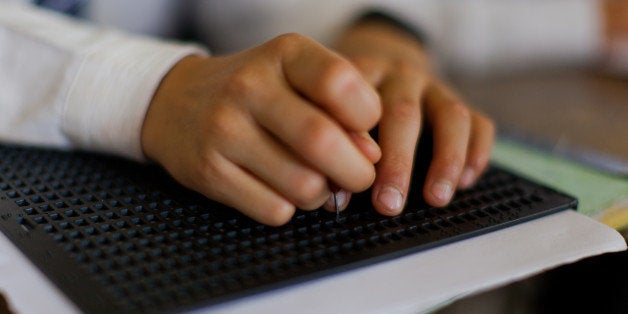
x=153, y=246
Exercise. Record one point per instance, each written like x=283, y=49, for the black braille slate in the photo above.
x=117, y=236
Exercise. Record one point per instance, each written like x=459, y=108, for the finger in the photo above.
x=273, y=164
x=372, y=69
x=316, y=138
x=333, y=83
x=398, y=133
x=367, y=145
x=450, y=120
x=244, y=192
x=479, y=153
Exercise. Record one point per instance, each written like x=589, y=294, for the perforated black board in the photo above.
x=116, y=236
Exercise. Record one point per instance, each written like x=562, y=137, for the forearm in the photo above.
x=65, y=83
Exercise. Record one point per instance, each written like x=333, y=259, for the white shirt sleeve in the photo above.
x=465, y=36
x=64, y=83
x=504, y=35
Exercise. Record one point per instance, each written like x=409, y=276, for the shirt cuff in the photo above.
x=112, y=88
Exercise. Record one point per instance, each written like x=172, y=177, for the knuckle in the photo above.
x=459, y=110
x=395, y=169
x=404, y=108
x=366, y=182
x=208, y=178
x=321, y=136
x=287, y=42
x=451, y=165
x=365, y=62
x=335, y=78
x=397, y=166
x=405, y=68
x=209, y=170
x=309, y=191
x=224, y=123
x=277, y=214
x=488, y=124
x=243, y=82
x=479, y=161
x=333, y=69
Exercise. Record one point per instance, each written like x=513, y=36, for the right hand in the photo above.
x=265, y=130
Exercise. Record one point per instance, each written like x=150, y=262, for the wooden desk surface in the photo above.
x=568, y=107
x=577, y=113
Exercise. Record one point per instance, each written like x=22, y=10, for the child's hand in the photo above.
x=266, y=130
x=413, y=98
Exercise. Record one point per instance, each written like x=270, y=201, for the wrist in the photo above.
x=370, y=37
x=384, y=19
x=168, y=95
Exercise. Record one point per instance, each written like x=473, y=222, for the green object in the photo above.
x=595, y=190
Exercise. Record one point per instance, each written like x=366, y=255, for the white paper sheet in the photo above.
x=422, y=281
x=411, y=284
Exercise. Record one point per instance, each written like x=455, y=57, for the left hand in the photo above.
x=412, y=97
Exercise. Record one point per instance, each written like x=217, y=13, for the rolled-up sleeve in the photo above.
x=69, y=84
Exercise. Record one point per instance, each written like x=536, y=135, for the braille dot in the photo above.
x=61, y=205
x=85, y=210
x=111, y=215
x=74, y=234
x=59, y=237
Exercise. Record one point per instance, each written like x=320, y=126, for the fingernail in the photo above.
x=329, y=203
x=466, y=180
x=341, y=198
x=442, y=190
x=391, y=198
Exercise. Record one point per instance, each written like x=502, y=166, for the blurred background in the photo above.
x=553, y=74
